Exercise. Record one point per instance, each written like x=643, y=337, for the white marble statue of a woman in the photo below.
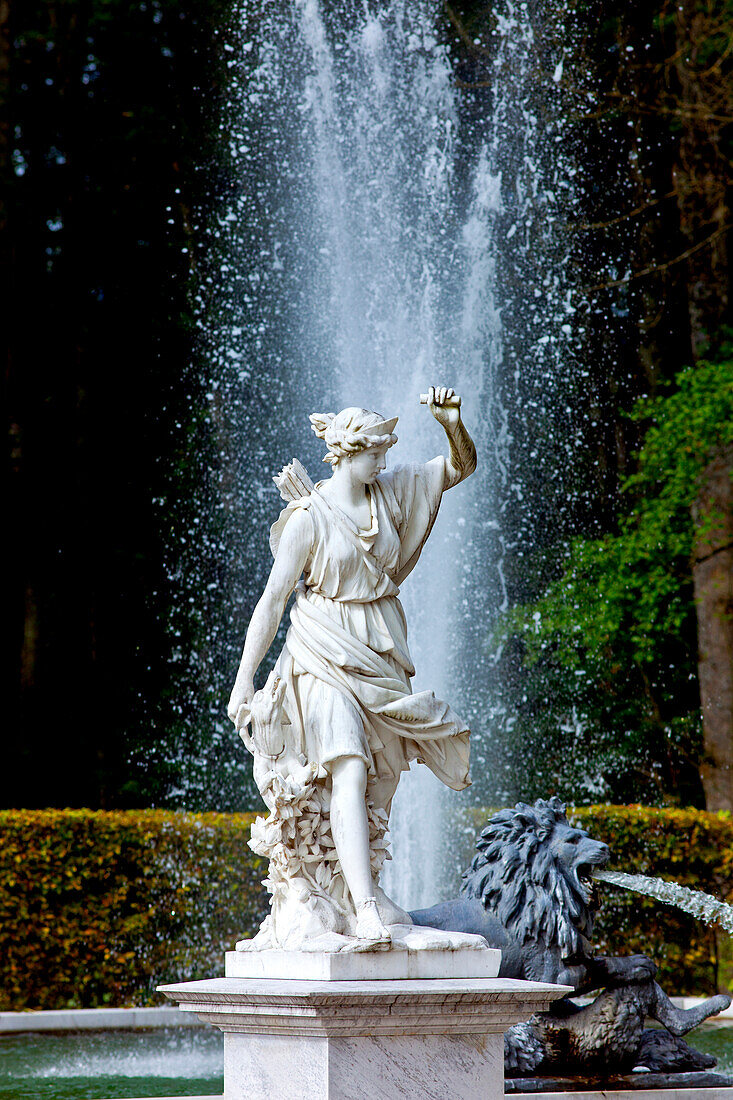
x=337, y=721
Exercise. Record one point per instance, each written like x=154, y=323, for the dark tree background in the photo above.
x=108, y=145
x=652, y=89
x=108, y=106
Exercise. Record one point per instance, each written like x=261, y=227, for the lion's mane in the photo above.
x=518, y=877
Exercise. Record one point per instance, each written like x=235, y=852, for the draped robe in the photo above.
x=345, y=661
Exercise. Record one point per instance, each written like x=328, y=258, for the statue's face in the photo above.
x=366, y=466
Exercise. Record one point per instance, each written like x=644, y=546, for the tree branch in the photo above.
x=654, y=269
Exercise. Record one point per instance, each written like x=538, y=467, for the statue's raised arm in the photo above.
x=445, y=405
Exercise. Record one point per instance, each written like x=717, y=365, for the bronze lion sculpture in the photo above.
x=530, y=892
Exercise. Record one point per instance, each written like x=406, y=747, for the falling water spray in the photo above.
x=384, y=224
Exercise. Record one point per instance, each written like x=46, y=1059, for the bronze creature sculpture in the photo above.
x=529, y=891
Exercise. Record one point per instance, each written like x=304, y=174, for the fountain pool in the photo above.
x=165, y=1062
x=95, y=1065
x=715, y=1039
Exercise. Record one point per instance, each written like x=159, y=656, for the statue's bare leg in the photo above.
x=382, y=792
x=350, y=825
x=350, y=830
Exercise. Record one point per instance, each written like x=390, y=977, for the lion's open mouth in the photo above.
x=584, y=875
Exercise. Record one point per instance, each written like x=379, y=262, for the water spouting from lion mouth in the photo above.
x=695, y=902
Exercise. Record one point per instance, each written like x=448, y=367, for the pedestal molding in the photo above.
x=476, y=1006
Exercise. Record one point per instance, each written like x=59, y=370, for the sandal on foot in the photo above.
x=369, y=924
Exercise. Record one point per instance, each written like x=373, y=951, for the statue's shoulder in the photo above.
x=297, y=519
x=299, y=514
x=411, y=471
x=397, y=477
x=414, y=478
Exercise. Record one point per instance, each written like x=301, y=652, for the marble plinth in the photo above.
x=346, y=1040
x=415, y=952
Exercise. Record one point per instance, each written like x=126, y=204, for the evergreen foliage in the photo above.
x=100, y=907
x=612, y=641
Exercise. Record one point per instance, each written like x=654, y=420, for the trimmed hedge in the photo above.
x=98, y=908
x=690, y=847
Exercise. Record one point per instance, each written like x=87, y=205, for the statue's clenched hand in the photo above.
x=239, y=702
x=445, y=405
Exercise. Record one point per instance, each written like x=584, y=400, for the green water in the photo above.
x=715, y=1039
x=97, y=1065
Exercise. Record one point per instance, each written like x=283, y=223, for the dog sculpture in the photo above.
x=529, y=891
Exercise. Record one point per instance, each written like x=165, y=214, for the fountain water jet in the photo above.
x=384, y=222
x=695, y=902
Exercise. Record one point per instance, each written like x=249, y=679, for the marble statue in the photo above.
x=337, y=720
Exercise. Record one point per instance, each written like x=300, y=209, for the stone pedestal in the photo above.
x=408, y=1039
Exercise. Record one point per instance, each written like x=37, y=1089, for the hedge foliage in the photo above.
x=687, y=846
x=98, y=908
x=607, y=655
